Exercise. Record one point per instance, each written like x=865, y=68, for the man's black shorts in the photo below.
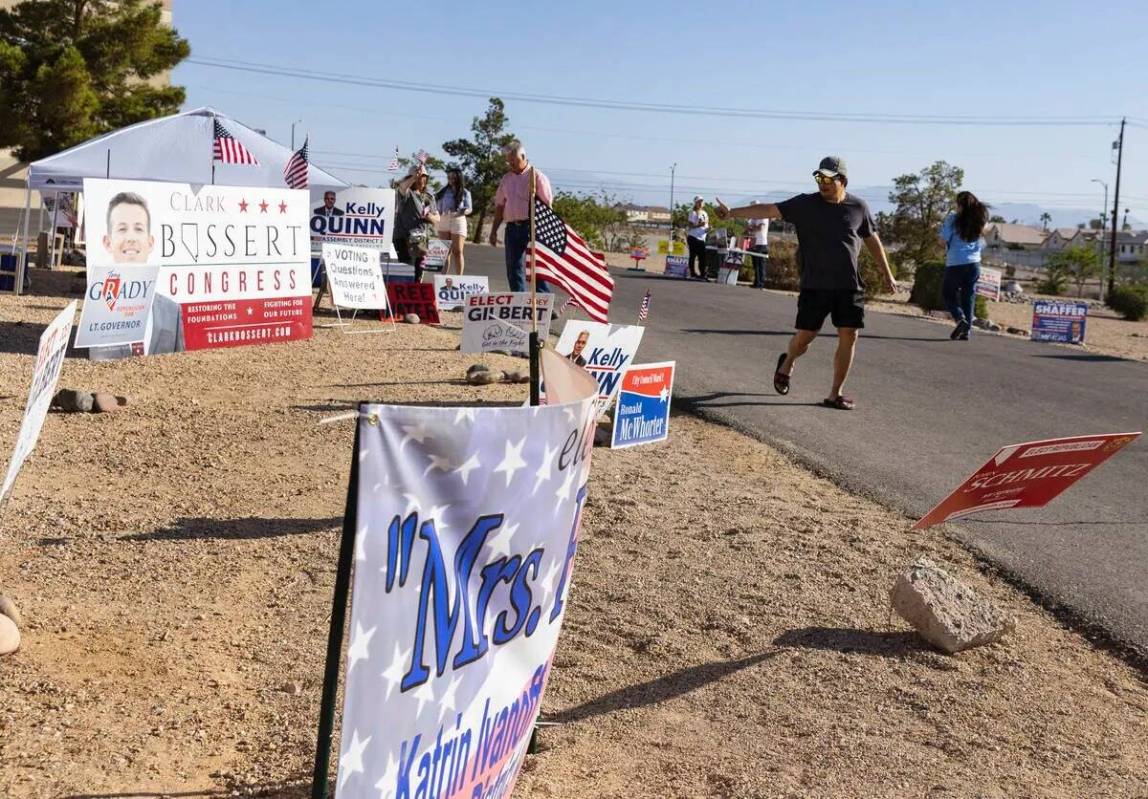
x=846, y=308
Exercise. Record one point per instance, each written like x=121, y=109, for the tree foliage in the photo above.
x=596, y=218
x=921, y=201
x=74, y=69
x=1078, y=263
x=481, y=159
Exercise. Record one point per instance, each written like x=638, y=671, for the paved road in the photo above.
x=930, y=411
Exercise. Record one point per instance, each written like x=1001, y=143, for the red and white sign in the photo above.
x=1027, y=475
x=234, y=260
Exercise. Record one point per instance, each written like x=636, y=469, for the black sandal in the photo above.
x=841, y=403
x=780, y=379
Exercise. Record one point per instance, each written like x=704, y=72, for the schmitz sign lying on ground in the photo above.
x=234, y=261
x=1027, y=475
x=460, y=588
x=49, y=362
x=643, y=412
x=502, y=322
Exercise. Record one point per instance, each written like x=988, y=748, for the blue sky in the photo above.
x=974, y=59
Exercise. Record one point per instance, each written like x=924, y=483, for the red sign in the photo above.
x=227, y=323
x=1027, y=475
x=416, y=298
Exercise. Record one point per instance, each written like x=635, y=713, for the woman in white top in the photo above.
x=454, y=205
x=698, y=226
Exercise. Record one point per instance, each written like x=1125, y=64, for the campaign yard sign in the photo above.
x=468, y=523
x=356, y=216
x=45, y=375
x=234, y=261
x=117, y=306
x=643, y=412
x=1057, y=320
x=677, y=266
x=989, y=284
x=437, y=252
x=1027, y=475
x=603, y=350
x=355, y=277
x=502, y=322
x=452, y=290
x=416, y=298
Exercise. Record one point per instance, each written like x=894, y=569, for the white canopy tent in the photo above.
x=177, y=148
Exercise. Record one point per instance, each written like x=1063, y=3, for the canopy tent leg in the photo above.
x=22, y=256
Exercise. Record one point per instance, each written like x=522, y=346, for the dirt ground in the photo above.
x=728, y=633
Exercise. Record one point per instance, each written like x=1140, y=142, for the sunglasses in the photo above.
x=822, y=180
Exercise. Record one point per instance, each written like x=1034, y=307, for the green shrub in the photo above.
x=981, y=307
x=782, y=271
x=926, y=293
x=1131, y=302
x=1055, y=280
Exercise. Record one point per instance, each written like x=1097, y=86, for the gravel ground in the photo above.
x=729, y=633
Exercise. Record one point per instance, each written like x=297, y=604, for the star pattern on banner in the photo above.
x=352, y=760
x=468, y=467
x=437, y=462
x=545, y=469
x=499, y=544
x=359, y=647
x=395, y=669
x=664, y=394
x=512, y=460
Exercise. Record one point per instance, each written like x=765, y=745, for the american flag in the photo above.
x=295, y=173
x=644, y=310
x=422, y=155
x=564, y=258
x=393, y=166
x=226, y=148
x=570, y=303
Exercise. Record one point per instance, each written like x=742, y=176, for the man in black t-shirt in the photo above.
x=831, y=226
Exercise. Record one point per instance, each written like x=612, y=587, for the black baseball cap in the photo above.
x=833, y=165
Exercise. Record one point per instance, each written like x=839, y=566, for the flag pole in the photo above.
x=535, y=346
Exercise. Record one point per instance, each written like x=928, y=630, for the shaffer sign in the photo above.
x=1027, y=475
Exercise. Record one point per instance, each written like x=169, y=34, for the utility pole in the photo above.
x=1119, y=145
x=293, y=124
x=672, y=169
x=1103, y=225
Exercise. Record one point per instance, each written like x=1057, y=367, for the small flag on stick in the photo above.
x=570, y=303
x=422, y=155
x=295, y=173
x=393, y=166
x=644, y=310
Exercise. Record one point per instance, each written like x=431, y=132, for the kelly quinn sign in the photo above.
x=1027, y=475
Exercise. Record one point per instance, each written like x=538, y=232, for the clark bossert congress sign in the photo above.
x=468, y=523
x=45, y=375
x=234, y=262
x=1027, y=475
x=355, y=276
x=502, y=322
x=360, y=217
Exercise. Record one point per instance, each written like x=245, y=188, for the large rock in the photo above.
x=72, y=401
x=9, y=636
x=484, y=378
x=8, y=608
x=946, y=612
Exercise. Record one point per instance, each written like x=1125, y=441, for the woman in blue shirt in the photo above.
x=961, y=235
x=454, y=205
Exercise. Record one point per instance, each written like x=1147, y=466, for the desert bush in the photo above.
x=1131, y=301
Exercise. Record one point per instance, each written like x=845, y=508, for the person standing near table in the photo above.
x=831, y=226
x=699, y=224
x=512, y=205
x=961, y=234
x=759, y=230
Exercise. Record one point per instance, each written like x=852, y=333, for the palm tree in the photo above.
x=1045, y=218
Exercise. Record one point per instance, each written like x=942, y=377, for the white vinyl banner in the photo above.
x=468, y=523
x=49, y=362
x=117, y=306
x=604, y=350
x=452, y=290
x=234, y=261
x=355, y=275
x=502, y=322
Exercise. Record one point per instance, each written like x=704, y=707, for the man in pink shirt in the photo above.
x=512, y=205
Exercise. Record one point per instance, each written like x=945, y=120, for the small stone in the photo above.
x=106, y=403
x=602, y=435
x=946, y=612
x=484, y=378
x=1016, y=331
x=292, y=688
x=476, y=367
x=9, y=636
x=516, y=376
x=8, y=608
x=412, y=319
x=72, y=401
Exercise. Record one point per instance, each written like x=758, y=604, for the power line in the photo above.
x=665, y=108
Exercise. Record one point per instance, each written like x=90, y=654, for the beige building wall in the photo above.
x=14, y=174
